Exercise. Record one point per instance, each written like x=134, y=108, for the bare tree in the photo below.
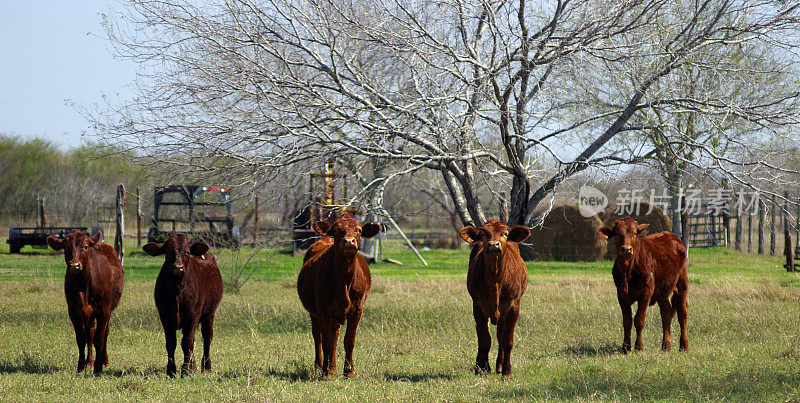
x=471, y=89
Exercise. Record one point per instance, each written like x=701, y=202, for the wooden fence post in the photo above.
x=750, y=232
x=772, y=227
x=787, y=238
x=761, y=206
x=138, y=217
x=255, y=223
x=118, y=244
x=738, y=238
x=797, y=233
x=42, y=213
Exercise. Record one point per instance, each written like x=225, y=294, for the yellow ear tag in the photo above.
x=203, y=256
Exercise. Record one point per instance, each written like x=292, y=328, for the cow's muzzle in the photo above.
x=350, y=243
x=626, y=249
x=178, y=270
x=76, y=266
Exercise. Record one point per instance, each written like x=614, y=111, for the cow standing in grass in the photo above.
x=333, y=285
x=188, y=291
x=496, y=280
x=649, y=270
x=93, y=286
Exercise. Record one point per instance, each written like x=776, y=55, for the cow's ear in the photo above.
x=519, y=234
x=198, y=249
x=97, y=237
x=370, y=229
x=606, y=232
x=641, y=227
x=55, y=243
x=469, y=234
x=322, y=227
x=153, y=249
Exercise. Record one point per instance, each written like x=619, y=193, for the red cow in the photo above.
x=333, y=285
x=496, y=280
x=648, y=270
x=93, y=285
x=188, y=291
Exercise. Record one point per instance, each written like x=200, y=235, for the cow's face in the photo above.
x=176, y=251
x=76, y=247
x=347, y=232
x=494, y=235
x=625, y=232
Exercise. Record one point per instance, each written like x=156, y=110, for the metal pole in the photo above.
x=402, y=234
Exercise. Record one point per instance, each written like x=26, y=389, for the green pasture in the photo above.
x=417, y=339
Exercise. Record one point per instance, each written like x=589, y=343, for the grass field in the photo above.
x=417, y=339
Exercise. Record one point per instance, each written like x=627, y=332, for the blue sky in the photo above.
x=52, y=51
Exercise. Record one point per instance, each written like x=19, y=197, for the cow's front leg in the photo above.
x=484, y=340
x=627, y=322
x=353, y=318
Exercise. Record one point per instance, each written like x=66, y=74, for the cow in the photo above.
x=496, y=280
x=648, y=270
x=187, y=293
x=93, y=286
x=333, y=285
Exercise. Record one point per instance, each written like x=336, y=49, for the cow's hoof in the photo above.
x=350, y=374
x=325, y=377
x=482, y=371
x=506, y=376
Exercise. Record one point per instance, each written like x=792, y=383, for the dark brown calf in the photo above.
x=333, y=285
x=188, y=291
x=93, y=285
x=496, y=280
x=649, y=270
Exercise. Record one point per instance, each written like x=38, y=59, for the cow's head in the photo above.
x=176, y=251
x=76, y=247
x=494, y=235
x=347, y=233
x=625, y=232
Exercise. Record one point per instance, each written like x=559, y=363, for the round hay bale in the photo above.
x=567, y=235
x=656, y=218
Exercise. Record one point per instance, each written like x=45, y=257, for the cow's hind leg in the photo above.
x=80, y=339
x=330, y=335
x=207, y=327
x=627, y=323
x=638, y=322
x=506, y=339
x=99, y=341
x=105, y=344
x=316, y=331
x=666, y=321
x=350, y=341
x=187, y=345
x=498, y=364
x=89, y=331
x=680, y=305
x=484, y=340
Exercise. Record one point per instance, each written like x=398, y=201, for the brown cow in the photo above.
x=496, y=280
x=647, y=270
x=188, y=291
x=333, y=285
x=93, y=285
